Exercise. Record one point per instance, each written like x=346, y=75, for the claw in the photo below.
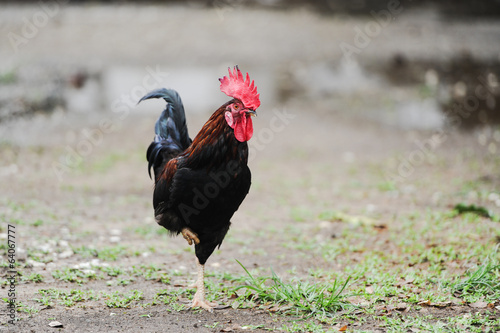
x=190, y=236
x=199, y=300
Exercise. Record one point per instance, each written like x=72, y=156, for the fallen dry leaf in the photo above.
x=426, y=302
x=353, y=219
x=479, y=305
x=222, y=306
x=231, y=328
x=401, y=306
x=441, y=304
x=380, y=227
x=404, y=282
x=343, y=328
x=274, y=308
x=369, y=290
x=359, y=301
x=184, y=300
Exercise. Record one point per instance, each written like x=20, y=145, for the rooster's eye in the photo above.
x=236, y=106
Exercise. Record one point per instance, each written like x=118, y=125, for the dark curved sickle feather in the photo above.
x=171, y=131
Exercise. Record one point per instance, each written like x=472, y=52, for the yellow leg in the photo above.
x=199, y=296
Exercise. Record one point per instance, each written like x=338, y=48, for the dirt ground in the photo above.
x=75, y=185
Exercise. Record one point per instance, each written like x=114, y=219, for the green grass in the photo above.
x=8, y=77
x=151, y=272
x=298, y=297
x=122, y=300
x=149, y=231
x=461, y=208
x=302, y=327
x=65, y=297
x=33, y=277
x=301, y=214
x=166, y=297
x=105, y=163
x=28, y=309
x=482, y=282
x=477, y=322
x=114, y=275
x=432, y=258
x=74, y=275
x=106, y=253
x=112, y=270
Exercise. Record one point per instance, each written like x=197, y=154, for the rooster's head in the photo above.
x=246, y=101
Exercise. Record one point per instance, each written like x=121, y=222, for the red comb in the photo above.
x=244, y=90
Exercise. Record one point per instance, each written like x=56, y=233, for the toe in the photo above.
x=203, y=304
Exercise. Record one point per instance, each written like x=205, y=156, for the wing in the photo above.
x=203, y=200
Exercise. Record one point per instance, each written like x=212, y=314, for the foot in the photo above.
x=190, y=236
x=199, y=296
x=199, y=300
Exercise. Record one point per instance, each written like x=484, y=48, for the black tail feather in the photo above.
x=171, y=131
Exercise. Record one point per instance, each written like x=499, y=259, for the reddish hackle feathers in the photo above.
x=235, y=86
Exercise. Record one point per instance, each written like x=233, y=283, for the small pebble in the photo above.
x=115, y=232
x=493, y=196
x=114, y=239
x=65, y=254
x=324, y=224
x=95, y=262
x=35, y=263
x=55, y=324
x=88, y=271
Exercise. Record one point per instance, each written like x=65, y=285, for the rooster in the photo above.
x=200, y=183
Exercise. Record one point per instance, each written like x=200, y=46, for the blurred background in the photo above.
x=404, y=64
x=415, y=73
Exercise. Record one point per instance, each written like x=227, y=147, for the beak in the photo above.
x=253, y=113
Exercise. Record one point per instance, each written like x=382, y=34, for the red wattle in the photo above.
x=243, y=129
